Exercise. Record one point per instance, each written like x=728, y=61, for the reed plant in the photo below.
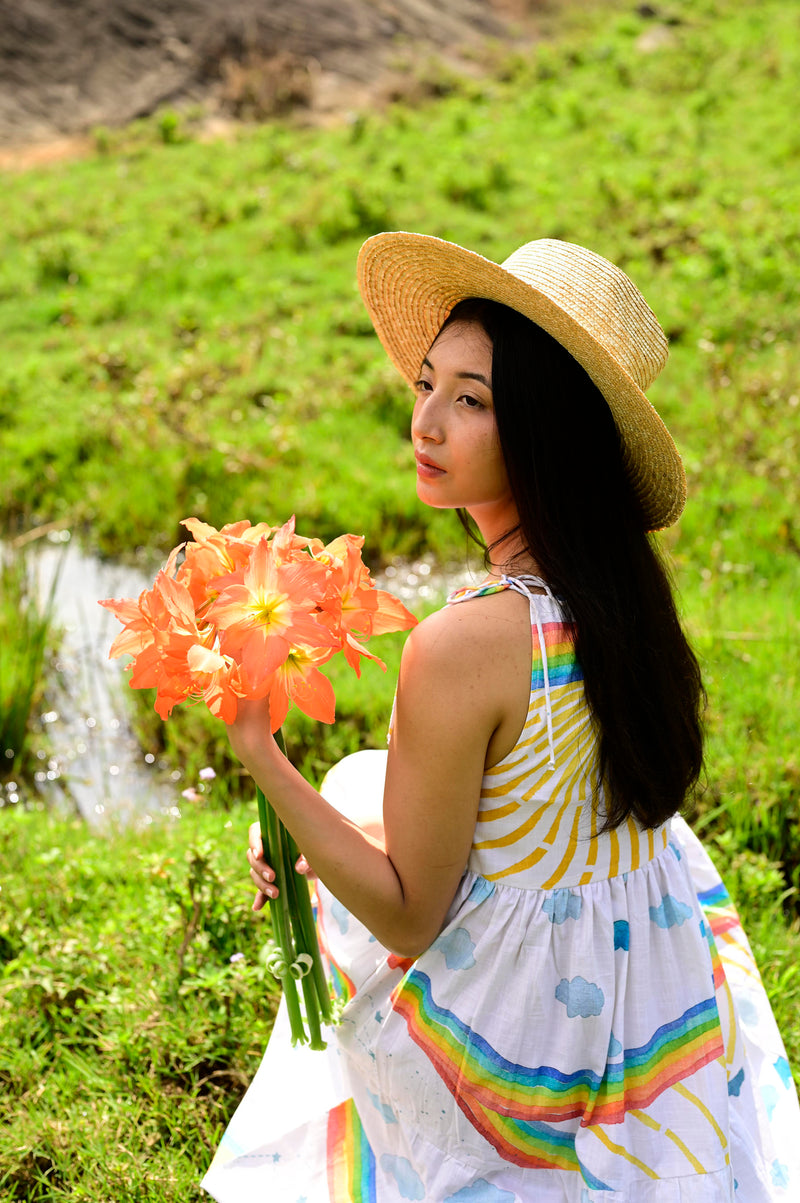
x=26, y=630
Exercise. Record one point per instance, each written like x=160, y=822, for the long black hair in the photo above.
x=581, y=521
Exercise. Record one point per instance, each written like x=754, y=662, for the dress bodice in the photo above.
x=542, y=806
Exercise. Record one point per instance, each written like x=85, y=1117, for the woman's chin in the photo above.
x=426, y=494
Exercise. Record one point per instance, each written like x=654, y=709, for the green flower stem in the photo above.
x=308, y=937
x=305, y=928
x=312, y=1013
x=263, y=824
x=281, y=918
x=293, y=927
x=296, y=891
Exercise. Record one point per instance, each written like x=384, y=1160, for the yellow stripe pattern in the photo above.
x=537, y=826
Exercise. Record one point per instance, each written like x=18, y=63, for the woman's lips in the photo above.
x=427, y=469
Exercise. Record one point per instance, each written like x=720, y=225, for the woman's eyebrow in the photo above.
x=426, y=363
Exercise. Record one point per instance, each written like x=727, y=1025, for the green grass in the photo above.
x=182, y=335
x=188, y=311
x=128, y=1033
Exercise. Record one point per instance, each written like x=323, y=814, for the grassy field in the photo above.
x=127, y=1030
x=182, y=335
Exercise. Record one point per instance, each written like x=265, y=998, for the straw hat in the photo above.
x=410, y=283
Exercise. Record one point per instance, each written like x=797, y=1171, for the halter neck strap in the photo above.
x=524, y=584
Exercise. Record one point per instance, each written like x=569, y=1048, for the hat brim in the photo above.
x=411, y=282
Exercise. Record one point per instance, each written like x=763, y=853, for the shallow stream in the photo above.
x=95, y=763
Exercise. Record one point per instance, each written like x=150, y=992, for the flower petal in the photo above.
x=204, y=659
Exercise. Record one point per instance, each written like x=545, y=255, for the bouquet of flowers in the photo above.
x=250, y=612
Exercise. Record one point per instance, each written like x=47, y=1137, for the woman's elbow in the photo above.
x=410, y=940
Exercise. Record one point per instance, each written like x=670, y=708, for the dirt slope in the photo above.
x=69, y=65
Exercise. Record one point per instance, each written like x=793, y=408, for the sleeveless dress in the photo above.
x=588, y=1026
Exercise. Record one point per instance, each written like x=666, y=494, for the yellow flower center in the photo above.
x=266, y=612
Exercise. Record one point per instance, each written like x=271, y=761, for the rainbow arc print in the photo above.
x=351, y=1162
x=514, y=1106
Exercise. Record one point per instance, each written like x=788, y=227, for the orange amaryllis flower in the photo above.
x=273, y=609
x=163, y=664
x=144, y=621
x=170, y=653
x=216, y=553
x=251, y=611
x=286, y=543
x=299, y=680
x=216, y=679
x=137, y=624
x=364, y=610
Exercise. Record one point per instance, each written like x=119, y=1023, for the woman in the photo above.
x=536, y=1007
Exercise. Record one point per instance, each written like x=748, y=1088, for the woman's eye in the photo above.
x=472, y=402
x=422, y=386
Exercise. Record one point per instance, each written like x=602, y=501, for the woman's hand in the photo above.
x=262, y=874
x=249, y=733
x=253, y=744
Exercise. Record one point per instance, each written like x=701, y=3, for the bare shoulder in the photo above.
x=465, y=676
x=481, y=632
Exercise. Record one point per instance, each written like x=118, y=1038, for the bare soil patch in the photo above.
x=67, y=66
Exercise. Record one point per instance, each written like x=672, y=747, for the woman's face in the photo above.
x=459, y=461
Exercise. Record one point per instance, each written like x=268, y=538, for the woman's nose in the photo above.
x=426, y=419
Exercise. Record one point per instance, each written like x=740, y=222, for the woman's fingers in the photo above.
x=263, y=875
x=254, y=837
x=263, y=886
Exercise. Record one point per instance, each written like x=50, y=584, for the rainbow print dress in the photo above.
x=588, y=1026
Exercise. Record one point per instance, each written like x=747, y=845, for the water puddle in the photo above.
x=95, y=763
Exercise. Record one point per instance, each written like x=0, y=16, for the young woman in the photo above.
x=548, y=995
